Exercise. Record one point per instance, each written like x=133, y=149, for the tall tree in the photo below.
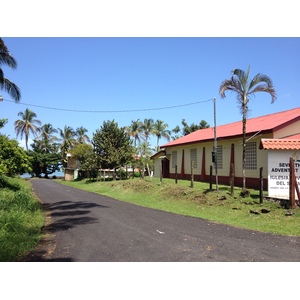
x=187, y=129
x=147, y=127
x=44, y=162
x=8, y=86
x=135, y=131
x=82, y=151
x=160, y=130
x=67, y=138
x=245, y=89
x=47, y=138
x=144, y=153
x=45, y=154
x=113, y=145
x=27, y=125
x=47, y=132
x=81, y=134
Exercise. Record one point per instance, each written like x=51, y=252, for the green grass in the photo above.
x=199, y=202
x=21, y=219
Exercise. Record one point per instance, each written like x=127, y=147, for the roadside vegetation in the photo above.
x=200, y=202
x=21, y=219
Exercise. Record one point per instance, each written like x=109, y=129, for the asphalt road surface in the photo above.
x=86, y=227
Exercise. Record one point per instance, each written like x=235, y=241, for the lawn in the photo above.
x=200, y=202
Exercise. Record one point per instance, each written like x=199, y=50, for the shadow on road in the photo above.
x=60, y=216
x=67, y=214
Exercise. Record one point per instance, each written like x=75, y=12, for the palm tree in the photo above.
x=147, y=128
x=47, y=132
x=240, y=83
x=67, y=141
x=5, y=84
x=82, y=137
x=160, y=130
x=47, y=137
x=27, y=124
x=144, y=153
x=135, y=131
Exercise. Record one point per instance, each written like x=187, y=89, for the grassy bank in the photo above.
x=21, y=219
x=200, y=202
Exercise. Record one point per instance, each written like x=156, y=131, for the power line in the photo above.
x=110, y=111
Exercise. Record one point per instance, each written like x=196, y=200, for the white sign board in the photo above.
x=279, y=172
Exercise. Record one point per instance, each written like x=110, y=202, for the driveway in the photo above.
x=86, y=227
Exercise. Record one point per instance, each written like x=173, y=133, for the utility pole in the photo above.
x=215, y=144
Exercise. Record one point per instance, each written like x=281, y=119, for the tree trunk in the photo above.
x=148, y=169
x=244, y=143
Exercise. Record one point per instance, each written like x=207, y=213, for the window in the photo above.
x=220, y=157
x=251, y=156
x=193, y=155
x=174, y=159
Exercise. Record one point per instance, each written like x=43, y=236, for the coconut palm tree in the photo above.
x=67, y=138
x=160, y=130
x=27, y=125
x=5, y=84
x=147, y=127
x=47, y=132
x=47, y=137
x=135, y=131
x=82, y=137
x=245, y=89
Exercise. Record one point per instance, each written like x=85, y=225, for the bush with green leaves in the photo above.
x=14, y=160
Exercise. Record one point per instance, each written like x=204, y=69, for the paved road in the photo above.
x=86, y=227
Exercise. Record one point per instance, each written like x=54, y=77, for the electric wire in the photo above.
x=110, y=111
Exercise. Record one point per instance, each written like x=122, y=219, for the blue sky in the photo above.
x=159, y=78
x=175, y=56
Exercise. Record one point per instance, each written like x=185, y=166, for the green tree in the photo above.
x=13, y=158
x=91, y=165
x=187, y=129
x=160, y=130
x=135, y=131
x=8, y=86
x=144, y=153
x=27, y=125
x=245, y=89
x=3, y=122
x=46, y=158
x=147, y=128
x=113, y=145
x=81, y=134
x=44, y=163
x=68, y=141
x=47, y=132
x=47, y=140
x=81, y=152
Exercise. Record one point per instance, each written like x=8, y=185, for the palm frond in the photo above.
x=226, y=85
x=258, y=78
x=265, y=88
x=11, y=88
x=5, y=57
x=240, y=74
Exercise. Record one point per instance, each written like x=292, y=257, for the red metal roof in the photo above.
x=280, y=144
x=293, y=137
x=267, y=123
